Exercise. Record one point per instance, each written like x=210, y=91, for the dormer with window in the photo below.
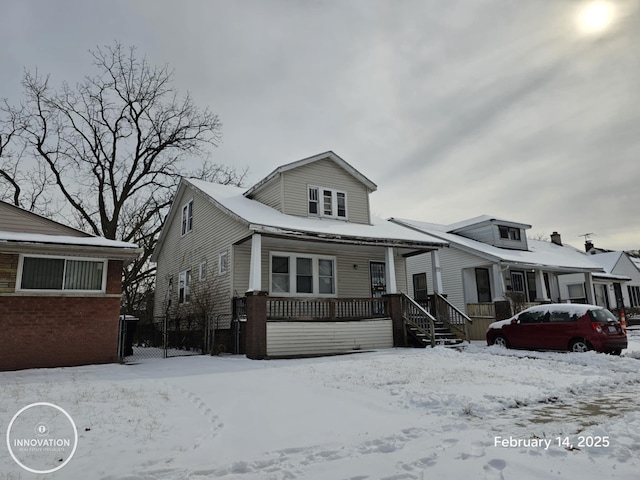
x=322, y=186
x=493, y=231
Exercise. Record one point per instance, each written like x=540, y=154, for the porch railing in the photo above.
x=481, y=310
x=451, y=317
x=279, y=308
x=418, y=317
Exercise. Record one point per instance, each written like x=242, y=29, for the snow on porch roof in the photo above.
x=540, y=253
x=265, y=219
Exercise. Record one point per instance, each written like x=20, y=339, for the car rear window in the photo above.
x=563, y=316
x=602, y=315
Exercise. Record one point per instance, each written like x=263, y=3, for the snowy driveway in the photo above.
x=393, y=415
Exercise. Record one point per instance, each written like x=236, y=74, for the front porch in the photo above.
x=501, y=290
x=278, y=327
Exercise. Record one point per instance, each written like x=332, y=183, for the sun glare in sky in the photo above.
x=595, y=17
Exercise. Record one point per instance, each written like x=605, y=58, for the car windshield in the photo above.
x=602, y=315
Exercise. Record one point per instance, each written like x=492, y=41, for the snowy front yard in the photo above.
x=397, y=414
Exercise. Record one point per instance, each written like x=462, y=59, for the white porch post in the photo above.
x=255, y=269
x=498, y=283
x=436, y=272
x=541, y=289
x=588, y=286
x=391, y=272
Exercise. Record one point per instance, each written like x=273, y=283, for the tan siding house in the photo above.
x=306, y=266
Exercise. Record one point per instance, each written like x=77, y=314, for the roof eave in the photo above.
x=345, y=239
x=111, y=253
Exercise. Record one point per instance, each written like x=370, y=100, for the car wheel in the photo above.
x=580, y=346
x=501, y=341
x=617, y=351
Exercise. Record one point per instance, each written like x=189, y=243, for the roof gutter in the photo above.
x=342, y=239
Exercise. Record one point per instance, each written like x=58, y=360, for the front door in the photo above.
x=617, y=292
x=378, y=274
x=420, y=288
x=518, y=284
x=483, y=285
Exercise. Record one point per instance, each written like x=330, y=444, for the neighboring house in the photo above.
x=60, y=292
x=620, y=284
x=299, y=252
x=491, y=269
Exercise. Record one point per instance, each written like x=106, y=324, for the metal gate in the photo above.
x=160, y=337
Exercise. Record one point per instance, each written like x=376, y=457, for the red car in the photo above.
x=562, y=326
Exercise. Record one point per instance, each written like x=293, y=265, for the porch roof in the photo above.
x=541, y=255
x=264, y=219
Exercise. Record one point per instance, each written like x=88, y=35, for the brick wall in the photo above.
x=8, y=270
x=54, y=331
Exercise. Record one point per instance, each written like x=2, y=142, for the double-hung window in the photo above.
x=62, y=273
x=509, y=233
x=184, y=286
x=327, y=202
x=187, y=217
x=302, y=274
x=223, y=263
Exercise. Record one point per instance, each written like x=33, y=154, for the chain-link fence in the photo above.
x=159, y=337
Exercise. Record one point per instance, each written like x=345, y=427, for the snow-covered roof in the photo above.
x=305, y=161
x=636, y=261
x=540, y=253
x=607, y=260
x=35, y=239
x=265, y=219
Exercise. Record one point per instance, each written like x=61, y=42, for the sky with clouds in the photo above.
x=454, y=108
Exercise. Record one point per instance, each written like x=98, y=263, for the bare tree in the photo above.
x=113, y=147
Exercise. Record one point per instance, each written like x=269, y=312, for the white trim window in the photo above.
x=333, y=204
x=202, y=271
x=576, y=291
x=634, y=295
x=223, y=263
x=184, y=286
x=187, y=217
x=69, y=274
x=509, y=233
x=298, y=274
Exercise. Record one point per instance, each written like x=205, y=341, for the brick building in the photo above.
x=60, y=292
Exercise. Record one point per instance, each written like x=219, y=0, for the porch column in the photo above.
x=255, y=268
x=436, y=272
x=498, y=283
x=391, y=272
x=588, y=287
x=541, y=288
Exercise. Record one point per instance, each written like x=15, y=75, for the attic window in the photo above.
x=509, y=233
x=187, y=217
x=334, y=202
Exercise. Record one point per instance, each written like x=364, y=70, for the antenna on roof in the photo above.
x=587, y=236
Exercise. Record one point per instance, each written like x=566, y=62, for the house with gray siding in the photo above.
x=491, y=269
x=294, y=265
x=619, y=286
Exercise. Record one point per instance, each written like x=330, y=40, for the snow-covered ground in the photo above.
x=397, y=414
